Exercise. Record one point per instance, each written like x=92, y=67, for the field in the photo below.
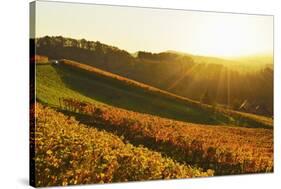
x=227, y=150
x=85, y=82
x=92, y=87
x=107, y=128
x=70, y=153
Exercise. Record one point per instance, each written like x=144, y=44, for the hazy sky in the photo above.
x=156, y=30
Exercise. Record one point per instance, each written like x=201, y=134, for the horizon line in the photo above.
x=225, y=57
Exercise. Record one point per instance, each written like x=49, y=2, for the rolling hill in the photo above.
x=142, y=115
x=71, y=79
x=68, y=81
x=228, y=82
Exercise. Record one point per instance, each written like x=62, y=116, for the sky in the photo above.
x=157, y=30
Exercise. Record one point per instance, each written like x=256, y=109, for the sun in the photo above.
x=230, y=35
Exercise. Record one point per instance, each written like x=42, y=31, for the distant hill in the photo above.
x=245, y=64
x=261, y=59
x=227, y=82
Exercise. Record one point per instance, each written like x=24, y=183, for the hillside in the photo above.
x=172, y=136
x=224, y=149
x=66, y=81
x=229, y=116
x=78, y=154
x=246, y=64
x=91, y=84
x=228, y=82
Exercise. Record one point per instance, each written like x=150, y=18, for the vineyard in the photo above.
x=53, y=82
x=227, y=150
x=96, y=127
x=223, y=115
x=70, y=153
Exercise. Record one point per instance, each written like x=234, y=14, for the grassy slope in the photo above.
x=57, y=81
x=228, y=115
x=49, y=87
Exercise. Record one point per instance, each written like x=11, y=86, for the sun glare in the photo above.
x=233, y=35
x=201, y=33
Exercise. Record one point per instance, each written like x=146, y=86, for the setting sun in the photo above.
x=157, y=30
x=233, y=35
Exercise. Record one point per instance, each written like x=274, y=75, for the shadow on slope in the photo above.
x=119, y=94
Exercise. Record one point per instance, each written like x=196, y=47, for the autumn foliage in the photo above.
x=68, y=153
x=235, y=117
x=226, y=149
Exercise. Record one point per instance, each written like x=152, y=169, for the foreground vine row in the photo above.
x=67, y=153
x=225, y=149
